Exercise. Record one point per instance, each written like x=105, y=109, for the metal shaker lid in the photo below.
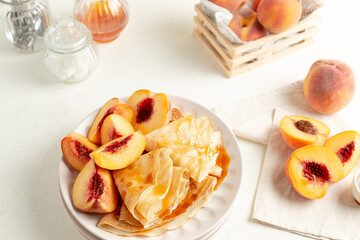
x=67, y=35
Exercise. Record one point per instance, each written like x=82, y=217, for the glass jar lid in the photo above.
x=14, y=2
x=67, y=35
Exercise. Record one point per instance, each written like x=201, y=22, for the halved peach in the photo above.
x=298, y=131
x=94, y=190
x=76, y=149
x=114, y=105
x=151, y=110
x=310, y=168
x=115, y=126
x=346, y=145
x=120, y=152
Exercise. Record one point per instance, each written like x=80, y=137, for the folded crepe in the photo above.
x=122, y=222
x=191, y=143
x=151, y=185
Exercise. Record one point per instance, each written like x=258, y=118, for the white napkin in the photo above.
x=336, y=216
x=252, y=118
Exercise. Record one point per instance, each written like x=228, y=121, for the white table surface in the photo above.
x=156, y=51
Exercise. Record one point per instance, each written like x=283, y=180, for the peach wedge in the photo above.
x=151, y=110
x=115, y=126
x=246, y=26
x=76, y=149
x=94, y=190
x=114, y=105
x=310, y=168
x=346, y=145
x=120, y=152
x=298, y=131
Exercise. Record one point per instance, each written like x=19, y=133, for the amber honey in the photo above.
x=223, y=161
x=105, y=19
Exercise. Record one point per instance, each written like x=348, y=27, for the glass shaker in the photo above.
x=105, y=18
x=70, y=55
x=23, y=24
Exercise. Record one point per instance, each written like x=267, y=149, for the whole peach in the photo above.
x=231, y=5
x=329, y=86
x=279, y=15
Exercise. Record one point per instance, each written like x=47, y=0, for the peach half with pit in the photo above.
x=299, y=131
x=277, y=16
x=346, y=145
x=231, y=5
x=246, y=26
x=114, y=105
x=151, y=110
x=329, y=86
x=94, y=190
x=76, y=149
x=115, y=126
x=120, y=152
x=310, y=169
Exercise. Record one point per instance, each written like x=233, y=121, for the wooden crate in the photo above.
x=235, y=58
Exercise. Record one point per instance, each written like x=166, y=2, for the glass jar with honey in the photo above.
x=105, y=18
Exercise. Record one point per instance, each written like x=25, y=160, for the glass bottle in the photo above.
x=23, y=24
x=105, y=18
x=70, y=55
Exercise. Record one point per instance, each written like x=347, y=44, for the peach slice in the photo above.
x=94, y=190
x=231, y=5
x=76, y=149
x=114, y=105
x=255, y=4
x=120, y=152
x=346, y=145
x=151, y=110
x=298, y=131
x=310, y=168
x=115, y=126
x=246, y=26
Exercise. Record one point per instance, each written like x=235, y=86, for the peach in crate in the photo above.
x=278, y=16
x=231, y=5
x=236, y=58
x=246, y=26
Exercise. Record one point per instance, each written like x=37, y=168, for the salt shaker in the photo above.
x=105, y=19
x=23, y=24
x=70, y=55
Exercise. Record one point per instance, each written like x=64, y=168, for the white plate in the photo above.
x=207, y=218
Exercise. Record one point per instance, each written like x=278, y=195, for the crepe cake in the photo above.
x=191, y=143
